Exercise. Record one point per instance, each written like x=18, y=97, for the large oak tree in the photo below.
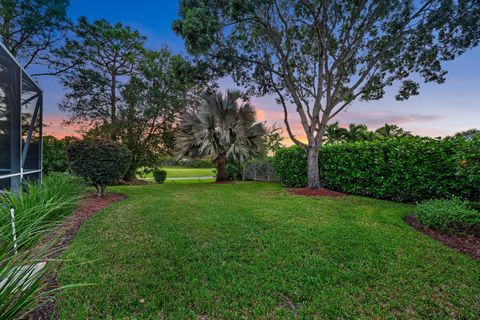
x=321, y=55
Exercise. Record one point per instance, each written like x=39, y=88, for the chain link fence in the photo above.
x=259, y=171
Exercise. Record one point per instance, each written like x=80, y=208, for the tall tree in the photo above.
x=104, y=56
x=222, y=128
x=30, y=29
x=322, y=55
x=153, y=102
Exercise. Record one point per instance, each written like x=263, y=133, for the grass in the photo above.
x=183, y=172
x=251, y=250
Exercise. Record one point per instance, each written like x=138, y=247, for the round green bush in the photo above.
x=449, y=215
x=99, y=161
x=160, y=175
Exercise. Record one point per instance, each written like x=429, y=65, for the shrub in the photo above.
x=290, y=165
x=404, y=169
x=199, y=163
x=160, y=175
x=233, y=170
x=449, y=215
x=54, y=155
x=100, y=162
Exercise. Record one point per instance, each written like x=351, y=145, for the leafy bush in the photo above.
x=54, y=155
x=233, y=170
x=199, y=163
x=100, y=162
x=449, y=215
x=160, y=175
x=290, y=165
x=404, y=169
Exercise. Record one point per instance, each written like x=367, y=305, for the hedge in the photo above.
x=404, y=169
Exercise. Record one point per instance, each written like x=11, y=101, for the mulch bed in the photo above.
x=467, y=245
x=317, y=192
x=86, y=208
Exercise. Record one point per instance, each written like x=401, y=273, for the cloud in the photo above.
x=376, y=119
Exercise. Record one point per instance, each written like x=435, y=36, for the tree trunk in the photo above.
x=113, y=111
x=313, y=170
x=131, y=174
x=221, y=164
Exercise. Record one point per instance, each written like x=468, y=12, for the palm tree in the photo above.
x=335, y=134
x=356, y=132
x=223, y=128
x=392, y=131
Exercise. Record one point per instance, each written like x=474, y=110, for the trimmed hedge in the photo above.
x=405, y=169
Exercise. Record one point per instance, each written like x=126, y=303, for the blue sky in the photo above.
x=439, y=110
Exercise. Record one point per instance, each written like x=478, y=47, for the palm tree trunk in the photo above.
x=221, y=164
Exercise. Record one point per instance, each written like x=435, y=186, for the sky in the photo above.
x=439, y=110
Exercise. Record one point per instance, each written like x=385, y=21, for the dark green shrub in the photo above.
x=233, y=171
x=160, y=175
x=449, y=215
x=100, y=162
x=200, y=163
x=404, y=169
x=54, y=155
x=290, y=165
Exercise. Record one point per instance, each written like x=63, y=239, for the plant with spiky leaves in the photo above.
x=223, y=128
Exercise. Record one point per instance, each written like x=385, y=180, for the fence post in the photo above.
x=14, y=233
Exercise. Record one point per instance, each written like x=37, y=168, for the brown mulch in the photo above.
x=467, y=245
x=317, y=192
x=87, y=207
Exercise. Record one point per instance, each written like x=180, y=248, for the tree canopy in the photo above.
x=153, y=101
x=320, y=56
x=30, y=29
x=103, y=56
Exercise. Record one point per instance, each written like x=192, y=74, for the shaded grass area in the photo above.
x=229, y=251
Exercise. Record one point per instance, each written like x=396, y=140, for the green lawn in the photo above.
x=251, y=250
x=183, y=172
